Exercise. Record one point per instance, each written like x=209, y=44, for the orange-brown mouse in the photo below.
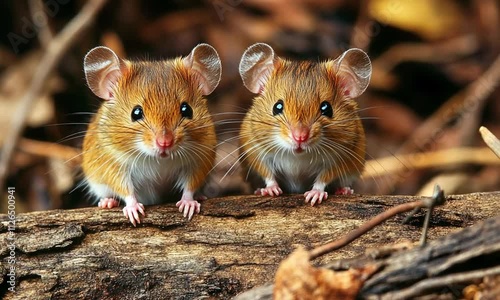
x=302, y=132
x=153, y=132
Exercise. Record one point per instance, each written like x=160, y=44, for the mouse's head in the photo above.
x=154, y=108
x=304, y=104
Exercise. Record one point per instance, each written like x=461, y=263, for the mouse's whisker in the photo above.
x=201, y=152
x=226, y=113
x=349, y=153
x=73, y=136
x=229, y=140
x=66, y=124
x=84, y=113
x=254, y=148
x=241, y=156
x=260, y=153
x=360, y=109
x=344, y=150
x=340, y=163
x=257, y=122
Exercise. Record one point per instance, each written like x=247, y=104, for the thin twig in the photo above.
x=441, y=52
x=48, y=62
x=37, y=10
x=491, y=140
x=351, y=236
x=441, y=158
x=50, y=150
x=380, y=218
x=437, y=199
x=440, y=282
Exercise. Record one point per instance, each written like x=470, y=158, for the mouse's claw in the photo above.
x=108, y=203
x=344, y=191
x=272, y=190
x=315, y=196
x=188, y=207
x=132, y=212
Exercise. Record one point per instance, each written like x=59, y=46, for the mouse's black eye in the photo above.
x=278, y=107
x=137, y=113
x=186, y=110
x=326, y=109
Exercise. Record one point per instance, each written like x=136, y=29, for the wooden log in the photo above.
x=236, y=243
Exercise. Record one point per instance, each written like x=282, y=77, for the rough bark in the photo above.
x=236, y=243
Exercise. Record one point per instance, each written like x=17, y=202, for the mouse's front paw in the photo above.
x=188, y=207
x=132, y=212
x=272, y=190
x=344, y=191
x=315, y=196
x=108, y=203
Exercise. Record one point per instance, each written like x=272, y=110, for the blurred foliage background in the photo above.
x=435, y=76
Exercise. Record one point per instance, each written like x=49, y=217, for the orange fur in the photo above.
x=160, y=88
x=303, y=86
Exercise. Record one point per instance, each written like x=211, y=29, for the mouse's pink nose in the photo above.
x=165, y=140
x=300, y=134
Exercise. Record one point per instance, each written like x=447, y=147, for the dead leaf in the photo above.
x=297, y=279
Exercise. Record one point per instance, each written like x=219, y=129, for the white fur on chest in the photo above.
x=148, y=177
x=151, y=176
x=297, y=172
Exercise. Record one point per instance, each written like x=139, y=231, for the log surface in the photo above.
x=236, y=243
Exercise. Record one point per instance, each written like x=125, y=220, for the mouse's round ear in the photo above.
x=206, y=64
x=102, y=69
x=353, y=69
x=256, y=65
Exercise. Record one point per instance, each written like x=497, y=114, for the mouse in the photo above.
x=153, y=132
x=302, y=132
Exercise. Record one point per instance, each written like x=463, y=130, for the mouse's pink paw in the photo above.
x=132, y=212
x=188, y=207
x=272, y=190
x=108, y=203
x=315, y=196
x=344, y=191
